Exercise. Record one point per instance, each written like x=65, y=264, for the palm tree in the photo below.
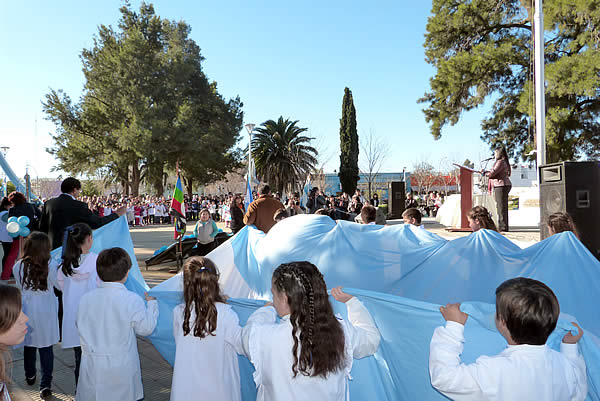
x=283, y=156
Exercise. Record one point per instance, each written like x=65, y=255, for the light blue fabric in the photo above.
x=387, y=261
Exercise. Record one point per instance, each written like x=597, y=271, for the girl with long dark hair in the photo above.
x=308, y=354
x=236, y=209
x=76, y=276
x=13, y=327
x=479, y=217
x=36, y=277
x=501, y=185
x=207, y=338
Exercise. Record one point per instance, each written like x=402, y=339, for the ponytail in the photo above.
x=73, y=240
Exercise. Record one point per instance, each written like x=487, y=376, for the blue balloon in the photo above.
x=11, y=219
x=23, y=221
x=14, y=235
x=24, y=232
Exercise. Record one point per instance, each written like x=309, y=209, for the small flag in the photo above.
x=178, y=209
x=248, y=198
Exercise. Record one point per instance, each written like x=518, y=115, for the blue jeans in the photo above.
x=46, y=363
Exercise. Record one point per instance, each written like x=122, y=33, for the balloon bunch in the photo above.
x=18, y=226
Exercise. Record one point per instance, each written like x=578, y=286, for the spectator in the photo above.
x=236, y=208
x=260, y=212
x=280, y=214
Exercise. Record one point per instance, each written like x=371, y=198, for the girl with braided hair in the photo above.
x=308, y=354
x=560, y=222
x=479, y=218
x=207, y=338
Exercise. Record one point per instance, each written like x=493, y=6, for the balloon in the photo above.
x=23, y=221
x=12, y=219
x=13, y=227
x=24, y=231
x=14, y=235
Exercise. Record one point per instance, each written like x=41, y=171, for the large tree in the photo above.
x=483, y=50
x=348, y=145
x=282, y=155
x=146, y=104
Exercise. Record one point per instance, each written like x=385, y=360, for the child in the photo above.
x=207, y=343
x=280, y=214
x=560, y=222
x=308, y=354
x=412, y=216
x=205, y=231
x=76, y=276
x=36, y=279
x=13, y=328
x=368, y=214
x=108, y=320
x=479, y=218
x=526, y=313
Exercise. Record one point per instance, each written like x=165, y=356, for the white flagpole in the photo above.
x=540, y=103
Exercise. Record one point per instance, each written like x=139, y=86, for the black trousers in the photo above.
x=77, y=351
x=203, y=249
x=6, y=248
x=46, y=363
x=501, y=198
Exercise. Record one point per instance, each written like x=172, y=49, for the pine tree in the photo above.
x=348, y=145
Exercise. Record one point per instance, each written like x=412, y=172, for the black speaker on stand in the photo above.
x=396, y=199
x=573, y=188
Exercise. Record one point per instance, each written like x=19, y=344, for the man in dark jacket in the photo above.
x=261, y=211
x=65, y=210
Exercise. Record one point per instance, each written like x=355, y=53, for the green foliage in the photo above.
x=146, y=104
x=468, y=163
x=90, y=188
x=348, y=145
x=10, y=187
x=483, y=49
x=283, y=156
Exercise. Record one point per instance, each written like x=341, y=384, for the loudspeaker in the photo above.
x=573, y=188
x=396, y=199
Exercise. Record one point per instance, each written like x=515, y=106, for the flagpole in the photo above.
x=250, y=129
x=540, y=106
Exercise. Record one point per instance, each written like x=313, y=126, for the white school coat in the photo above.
x=520, y=372
x=84, y=279
x=268, y=345
x=108, y=319
x=207, y=368
x=42, y=309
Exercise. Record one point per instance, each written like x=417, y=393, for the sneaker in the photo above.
x=45, y=393
x=30, y=380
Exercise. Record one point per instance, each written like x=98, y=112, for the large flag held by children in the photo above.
x=178, y=209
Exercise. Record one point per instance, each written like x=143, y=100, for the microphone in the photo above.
x=488, y=159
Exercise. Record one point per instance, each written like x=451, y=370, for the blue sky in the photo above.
x=282, y=58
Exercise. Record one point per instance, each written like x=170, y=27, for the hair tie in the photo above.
x=200, y=270
x=68, y=230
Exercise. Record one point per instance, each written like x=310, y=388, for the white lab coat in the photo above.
x=84, y=279
x=268, y=345
x=207, y=368
x=42, y=309
x=520, y=372
x=108, y=319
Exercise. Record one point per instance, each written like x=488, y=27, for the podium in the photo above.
x=466, y=196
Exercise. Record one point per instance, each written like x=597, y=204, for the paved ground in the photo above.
x=156, y=372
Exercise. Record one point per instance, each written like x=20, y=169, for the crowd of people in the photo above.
x=300, y=350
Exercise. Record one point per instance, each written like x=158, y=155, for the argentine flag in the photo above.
x=248, y=198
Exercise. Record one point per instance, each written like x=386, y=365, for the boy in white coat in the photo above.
x=108, y=320
x=528, y=370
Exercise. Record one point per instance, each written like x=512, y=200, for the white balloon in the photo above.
x=13, y=227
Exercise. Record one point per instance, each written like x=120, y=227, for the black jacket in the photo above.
x=26, y=209
x=63, y=211
x=237, y=219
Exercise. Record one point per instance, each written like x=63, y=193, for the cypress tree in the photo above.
x=348, y=145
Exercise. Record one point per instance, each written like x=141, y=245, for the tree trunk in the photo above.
x=125, y=186
x=189, y=183
x=135, y=179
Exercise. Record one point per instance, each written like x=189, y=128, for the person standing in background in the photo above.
x=501, y=185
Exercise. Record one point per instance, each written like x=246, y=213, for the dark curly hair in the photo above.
x=36, y=255
x=315, y=329
x=201, y=291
